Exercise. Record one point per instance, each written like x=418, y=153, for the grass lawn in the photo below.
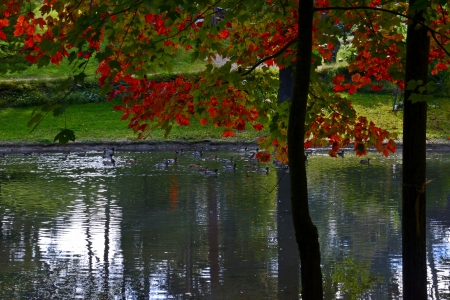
x=99, y=122
x=378, y=108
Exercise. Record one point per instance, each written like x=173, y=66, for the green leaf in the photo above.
x=58, y=111
x=43, y=61
x=37, y=118
x=65, y=136
x=412, y=84
x=167, y=132
x=114, y=64
x=79, y=77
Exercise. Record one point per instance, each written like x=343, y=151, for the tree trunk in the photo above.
x=306, y=233
x=414, y=166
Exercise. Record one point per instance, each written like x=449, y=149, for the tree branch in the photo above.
x=432, y=31
x=270, y=57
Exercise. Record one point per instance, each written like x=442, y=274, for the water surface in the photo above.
x=79, y=229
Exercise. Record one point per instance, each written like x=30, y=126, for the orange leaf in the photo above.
x=356, y=77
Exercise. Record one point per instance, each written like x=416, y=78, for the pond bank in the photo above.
x=143, y=146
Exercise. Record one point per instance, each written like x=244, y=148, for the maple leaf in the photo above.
x=263, y=156
x=258, y=127
x=228, y=133
x=223, y=34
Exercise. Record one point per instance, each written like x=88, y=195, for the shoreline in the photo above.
x=145, y=146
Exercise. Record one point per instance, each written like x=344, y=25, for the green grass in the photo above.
x=99, y=122
x=378, y=108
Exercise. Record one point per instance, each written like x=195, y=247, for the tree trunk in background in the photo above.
x=285, y=91
x=306, y=233
x=414, y=166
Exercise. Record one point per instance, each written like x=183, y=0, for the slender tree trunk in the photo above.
x=414, y=166
x=305, y=231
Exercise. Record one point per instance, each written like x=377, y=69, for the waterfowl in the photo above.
x=230, y=167
x=162, y=165
x=172, y=160
x=108, y=152
x=131, y=161
x=341, y=153
x=212, y=173
x=365, y=161
x=278, y=163
x=253, y=152
x=227, y=160
x=110, y=162
x=263, y=170
x=198, y=153
x=65, y=156
x=194, y=166
x=242, y=150
x=181, y=152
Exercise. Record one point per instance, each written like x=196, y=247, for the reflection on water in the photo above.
x=77, y=228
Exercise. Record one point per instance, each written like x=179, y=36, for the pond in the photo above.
x=75, y=228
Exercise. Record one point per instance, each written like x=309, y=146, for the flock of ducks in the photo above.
x=228, y=163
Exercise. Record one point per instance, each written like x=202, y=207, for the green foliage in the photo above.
x=346, y=53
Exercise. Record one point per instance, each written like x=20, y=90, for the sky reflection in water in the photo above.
x=79, y=229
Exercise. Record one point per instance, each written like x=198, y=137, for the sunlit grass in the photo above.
x=379, y=109
x=99, y=122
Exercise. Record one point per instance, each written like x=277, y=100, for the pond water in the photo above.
x=78, y=229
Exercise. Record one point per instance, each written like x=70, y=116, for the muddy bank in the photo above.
x=143, y=146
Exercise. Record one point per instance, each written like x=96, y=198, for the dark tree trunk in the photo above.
x=286, y=77
x=414, y=166
x=305, y=231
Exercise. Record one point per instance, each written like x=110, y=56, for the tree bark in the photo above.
x=306, y=233
x=414, y=165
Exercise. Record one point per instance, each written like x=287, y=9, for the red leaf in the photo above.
x=258, y=127
x=228, y=133
x=263, y=156
x=204, y=121
x=224, y=34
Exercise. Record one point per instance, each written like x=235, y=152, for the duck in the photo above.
x=194, y=166
x=108, y=152
x=198, y=153
x=263, y=170
x=110, y=162
x=278, y=163
x=203, y=169
x=66, y=155
x=162, y=165
x=212, y=173
x=230, y=167
x=365, y=161
x=253, y=152
x=172, y=160
x=242, y=150
x=341, y=153
x=226, y=160
x=181, y=152
x=131, y=161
